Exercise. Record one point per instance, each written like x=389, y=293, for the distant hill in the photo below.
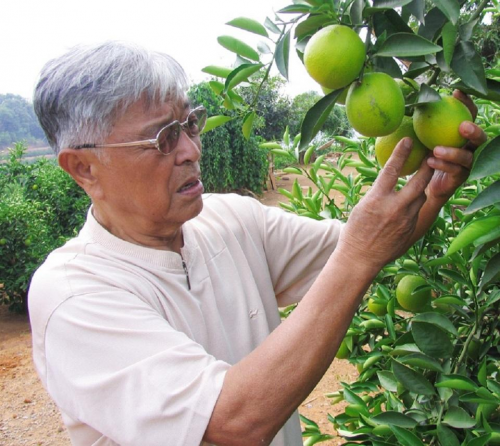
x=18, y=122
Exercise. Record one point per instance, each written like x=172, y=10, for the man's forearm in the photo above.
x=262, y=391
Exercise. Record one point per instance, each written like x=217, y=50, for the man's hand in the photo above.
x=382, y=226
x=452, y=166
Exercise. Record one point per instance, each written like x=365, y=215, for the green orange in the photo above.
x=437, y=123
x=334, y=56
x=377, y=308
x=384, y=146
x=343, y=351
x=408, y=298
x=375, y=106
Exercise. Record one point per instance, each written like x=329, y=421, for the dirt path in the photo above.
x=29, y=417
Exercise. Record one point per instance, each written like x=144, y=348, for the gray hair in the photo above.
x=81, y=94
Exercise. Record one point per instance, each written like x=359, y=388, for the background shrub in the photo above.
x=41, y=208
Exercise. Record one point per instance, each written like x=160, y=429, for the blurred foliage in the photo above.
x=18, y=121
x=41, y=208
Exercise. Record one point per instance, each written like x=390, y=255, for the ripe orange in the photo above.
x=334, y=56
x=436, y=123
x=375, y=106
x=407, y=298
x=384, y=146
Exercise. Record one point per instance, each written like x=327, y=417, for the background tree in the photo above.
x=335, y=124
x=273, y=106
x=18, y=121
x=229, y=162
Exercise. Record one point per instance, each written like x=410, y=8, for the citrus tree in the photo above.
x=426, y=339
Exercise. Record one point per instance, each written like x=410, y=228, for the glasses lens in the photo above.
x=196, y=121
x=168, y=137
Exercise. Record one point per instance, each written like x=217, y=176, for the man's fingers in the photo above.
x=448, y=155
x=417, y=184
x=389, y=175
x=473, y=133
x=465, y=99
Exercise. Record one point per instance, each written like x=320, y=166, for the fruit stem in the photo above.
x=435, y=75
x=465, y=347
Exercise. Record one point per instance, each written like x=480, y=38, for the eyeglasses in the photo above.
x=167, y=138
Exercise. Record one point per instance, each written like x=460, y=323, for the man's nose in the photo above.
x=188, y=148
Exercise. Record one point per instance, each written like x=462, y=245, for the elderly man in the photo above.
x=158, y=324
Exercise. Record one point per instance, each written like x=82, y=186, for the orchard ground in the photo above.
x=29, y=417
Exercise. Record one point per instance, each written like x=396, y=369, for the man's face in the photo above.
x=142, y=188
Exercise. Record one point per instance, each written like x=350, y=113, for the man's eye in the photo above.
x=193, y=124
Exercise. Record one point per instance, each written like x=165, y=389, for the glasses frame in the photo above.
x=155, y=142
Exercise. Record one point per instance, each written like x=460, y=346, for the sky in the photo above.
x=35, y=31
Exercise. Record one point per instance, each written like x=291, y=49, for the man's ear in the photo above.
x=80, y=164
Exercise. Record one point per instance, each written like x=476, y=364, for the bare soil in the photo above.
x=29, y=417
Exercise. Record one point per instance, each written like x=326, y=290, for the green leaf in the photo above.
x=215, y=121
x=450, y=8
x=491, y=272
x=271, y=145
x=475, y=229
x=493, y=93
x=467, y=29
x=237, y=46
x=487, y=197
x=295, y=9
x=387, y=380
x=248, y=25
x=449, y=34
x=417, y=9
x=407, y=45
x=422, y=361
x=316, y=117
x=432, y=340
x=405, y=437
x=458, y=418
x=356, y=12
x=439, y=320
x=446, y=436
x=389, y=4
x=468, y=65
x=241, y=74
x=457, y=382
x=311, y=25
x=271, y=26
x=248, y=124
x=217, y=71
x=488, y=161
x=414, y=381
x=394, y=418
x=453, y=275
x=480, y=441
x=282, y=55
x=216, y=86
x=426, y=94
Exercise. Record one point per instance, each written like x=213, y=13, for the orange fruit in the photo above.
x=436, y=123
x=334, y=56
x=408, y=298
x=343, y=351
x=384, y=146
x=375, y=106
x=376, y=308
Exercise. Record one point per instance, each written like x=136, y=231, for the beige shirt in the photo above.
x=131, y=355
